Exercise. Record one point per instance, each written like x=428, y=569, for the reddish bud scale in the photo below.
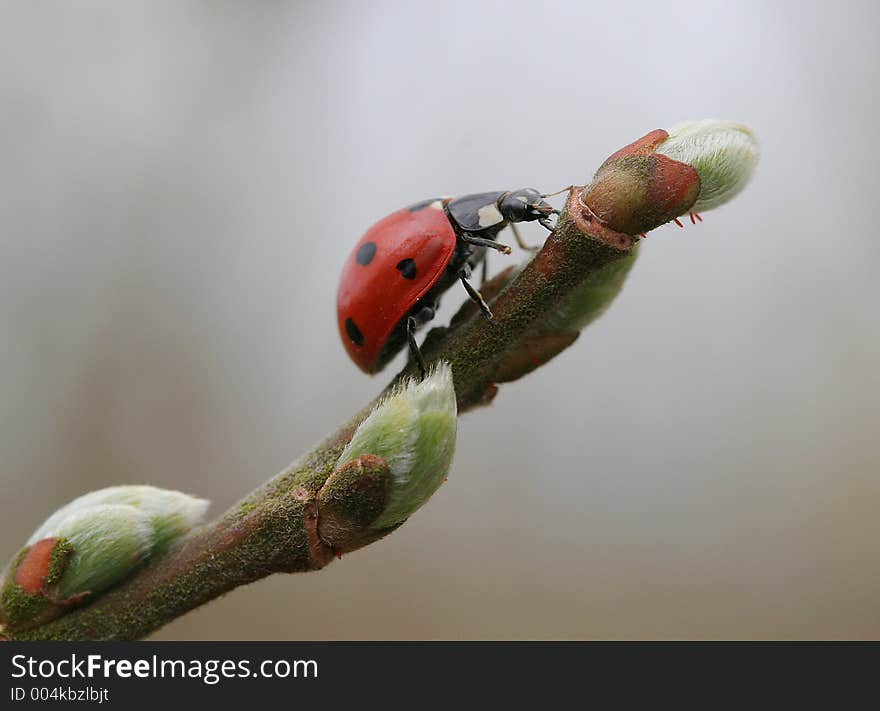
x=644, y=146
x=34, y=567
x=487, y=396
x=637, y=189
x=672, y=186
x=352, y=498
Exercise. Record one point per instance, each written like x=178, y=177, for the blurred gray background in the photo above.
x=180, y=183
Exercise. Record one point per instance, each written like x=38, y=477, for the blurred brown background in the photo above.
x=180, y=183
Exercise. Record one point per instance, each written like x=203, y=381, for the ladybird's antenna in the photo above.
x=553, y=210
x=558, y=192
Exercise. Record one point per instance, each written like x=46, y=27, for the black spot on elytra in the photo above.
x=354, y=333
x=365, y=253
x=407, y=268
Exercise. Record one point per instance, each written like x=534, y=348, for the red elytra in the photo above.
x=393, y=265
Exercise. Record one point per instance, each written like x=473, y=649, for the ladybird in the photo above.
x=393, y=279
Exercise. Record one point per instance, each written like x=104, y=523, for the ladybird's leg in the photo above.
x=412, y=323
x=414, y=349
x=519, y=240
x=483, y=242
x=475, y=295
x=545, y=222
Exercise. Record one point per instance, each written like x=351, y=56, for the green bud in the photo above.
x=413, y=431
x=170, y=513
x=89, y=545
x=724, y=153
x=107, y=541
x=696, y=166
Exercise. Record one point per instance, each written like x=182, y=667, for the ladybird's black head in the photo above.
x=525, y=205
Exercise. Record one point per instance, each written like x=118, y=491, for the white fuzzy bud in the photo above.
x=724, y=153
x=413, y=429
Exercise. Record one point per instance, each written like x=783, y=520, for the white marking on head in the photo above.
x=436, y=205
x=522, y=199
x=489, y=215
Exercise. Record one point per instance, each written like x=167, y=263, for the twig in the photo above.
x=299, y=520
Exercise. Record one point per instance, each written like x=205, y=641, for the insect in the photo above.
x=393, y=279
